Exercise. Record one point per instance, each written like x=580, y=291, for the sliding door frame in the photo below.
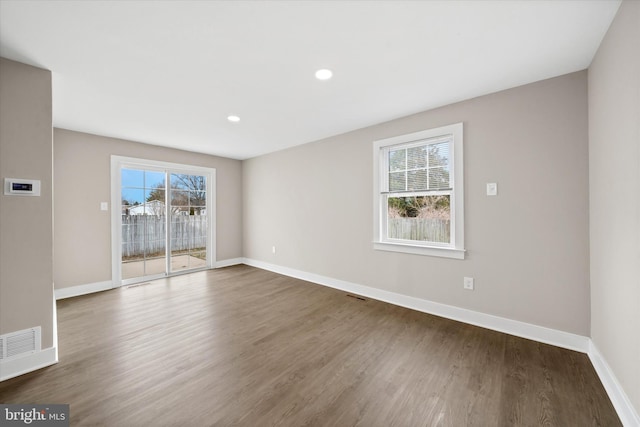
x=120, y=162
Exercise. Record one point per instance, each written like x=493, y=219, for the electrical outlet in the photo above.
x=273, y=249
x=468, y=283
x=104, y=206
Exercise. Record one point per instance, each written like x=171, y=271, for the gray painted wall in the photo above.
x=614, y=190
x=26, y=223
x=528, y=248
x=82, y=165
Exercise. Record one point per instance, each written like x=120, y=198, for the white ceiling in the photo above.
x=169, y=73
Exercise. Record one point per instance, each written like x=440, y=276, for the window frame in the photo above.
x=455, y=249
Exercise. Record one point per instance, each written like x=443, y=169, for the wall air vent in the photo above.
x=20, y=343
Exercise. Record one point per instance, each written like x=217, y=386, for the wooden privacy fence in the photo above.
x=422, y=229
x=145, y=234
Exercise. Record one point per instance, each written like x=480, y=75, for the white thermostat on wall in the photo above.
x=21, y=187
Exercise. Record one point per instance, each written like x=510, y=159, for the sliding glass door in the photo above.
x=188, y=230
x=164, y=220
x=143, y=223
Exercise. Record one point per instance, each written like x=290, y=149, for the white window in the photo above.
x=418, y=193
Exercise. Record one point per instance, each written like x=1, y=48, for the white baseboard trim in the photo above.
x=74, y=291
x=619, y=398
x=512, y=327
x=229, y=262
x=11, y=368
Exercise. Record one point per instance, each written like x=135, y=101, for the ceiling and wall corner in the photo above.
x=170, y=73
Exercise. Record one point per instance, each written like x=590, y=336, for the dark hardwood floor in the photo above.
x=246, y=347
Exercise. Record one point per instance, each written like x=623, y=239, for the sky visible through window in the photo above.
x=138, y=184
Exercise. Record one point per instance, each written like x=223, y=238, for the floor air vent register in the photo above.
x=20, y=343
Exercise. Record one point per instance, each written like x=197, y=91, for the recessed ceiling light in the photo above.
x=234, y=119
x=324, y=74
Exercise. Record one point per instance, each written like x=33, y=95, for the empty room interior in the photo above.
x=320, y=213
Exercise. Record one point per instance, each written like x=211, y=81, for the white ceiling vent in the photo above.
x=20, y=343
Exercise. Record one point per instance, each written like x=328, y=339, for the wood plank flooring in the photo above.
x=241, y=346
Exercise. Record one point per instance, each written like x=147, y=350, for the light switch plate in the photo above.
x=104, y=206
x=492, y=189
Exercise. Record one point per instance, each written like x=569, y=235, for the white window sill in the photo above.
x=420, y=250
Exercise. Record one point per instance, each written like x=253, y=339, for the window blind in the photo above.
x=421, y=167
